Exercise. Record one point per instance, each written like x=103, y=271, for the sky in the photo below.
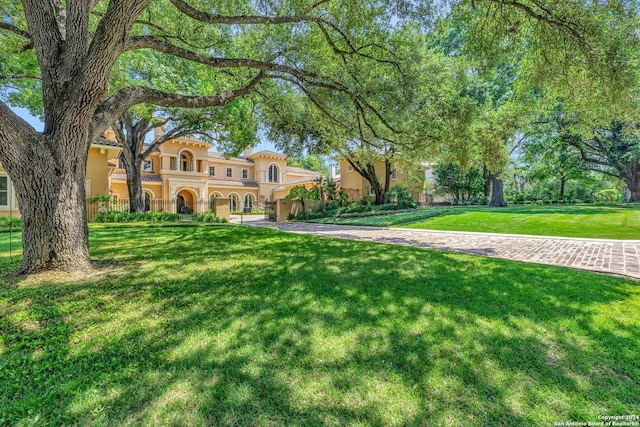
x=33, y=121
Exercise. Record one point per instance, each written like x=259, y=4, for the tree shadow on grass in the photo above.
x=237, y=326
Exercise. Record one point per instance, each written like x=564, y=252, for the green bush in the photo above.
x=609, y=195
x=136, y=217
x=351, y=210
x=402, y=196
x=209, y=218
x=7, y=224
x=367, y=200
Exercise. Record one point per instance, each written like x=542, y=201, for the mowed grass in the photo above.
x=227, y=325
x=596, y=221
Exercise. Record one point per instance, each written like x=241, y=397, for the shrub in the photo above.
x=7, y=224
x=209, y=218
x=402, y=196
x=136, y=217
x=609, y=195
x=367, y=200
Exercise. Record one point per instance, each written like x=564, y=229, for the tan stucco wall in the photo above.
x=285, y=207
x=221, y=208
x=98, y=171
x=352, y=183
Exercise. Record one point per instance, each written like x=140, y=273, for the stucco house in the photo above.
x=184, y=170
x=356, y=186
x=184, y=175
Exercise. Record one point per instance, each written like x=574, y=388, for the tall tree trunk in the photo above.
x=486, y=175
x=51, y=193
x=387, y=178
x=497, y=192
x=634, y=188
x=563, y=181
x=134, y=184
x=631, y=176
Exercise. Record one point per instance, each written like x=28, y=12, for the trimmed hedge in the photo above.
x=7, y=224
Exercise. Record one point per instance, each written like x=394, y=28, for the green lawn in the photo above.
x=226, y=325
x=599, y=221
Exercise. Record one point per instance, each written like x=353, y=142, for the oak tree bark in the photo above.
x=497, y=192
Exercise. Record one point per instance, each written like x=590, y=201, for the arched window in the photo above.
x=185, y=162
x=212, y=198
x=248, y=201
x=234, y=202
x=273, y=173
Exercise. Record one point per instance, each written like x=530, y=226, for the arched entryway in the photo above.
x=185, y=202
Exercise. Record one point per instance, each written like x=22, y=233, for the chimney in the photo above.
x=158, y=132
x=333, y=170
x=247, y=152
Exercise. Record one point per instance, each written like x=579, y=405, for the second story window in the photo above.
x=147, y=166
x=229, y=173
x=245, y=173
x=121, y=162
x=185, y=162
x=272, y=174
x=212, y=171
x=394, y=174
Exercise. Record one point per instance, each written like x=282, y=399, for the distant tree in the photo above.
x=310, y=162
x=462, y=184
x=547, y=155
x=613, y=151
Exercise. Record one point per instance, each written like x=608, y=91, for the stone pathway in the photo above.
x=620, y=257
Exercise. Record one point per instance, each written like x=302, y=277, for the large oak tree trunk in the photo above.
x=50, y=189
x=134, y=184
x=631, y=177
x=497, y=192
x=634, y=189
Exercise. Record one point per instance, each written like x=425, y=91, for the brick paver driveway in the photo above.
x=606, y=256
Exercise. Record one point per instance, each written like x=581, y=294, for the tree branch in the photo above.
x=43, y=30
x=547, y=17
x=20, y=76
x=15, y=30
x=15, y=136
x=322, y=24
x=174, y=133
x=126, y=98
x=61, y=16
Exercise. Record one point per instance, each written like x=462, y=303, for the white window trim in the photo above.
x=245, y=173
x=277, y=178
x=229, y=173
x=214, y=171
x=144, y=166
x=250, y=196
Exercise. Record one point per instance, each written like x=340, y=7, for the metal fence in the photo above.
x=155, y=205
